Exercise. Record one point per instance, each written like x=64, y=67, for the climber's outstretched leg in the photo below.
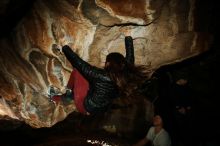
x=77, y=89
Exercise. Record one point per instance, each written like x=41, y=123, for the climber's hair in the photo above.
x=127, y=76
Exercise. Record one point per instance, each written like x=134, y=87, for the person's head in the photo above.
x=181, y=76
x=159, y=116
x=115, y=62
x=181, y=81
x=157, y=120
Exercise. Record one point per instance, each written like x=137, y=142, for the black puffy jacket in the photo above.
x=101, y=88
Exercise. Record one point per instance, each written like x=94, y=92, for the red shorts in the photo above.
x=80, y=87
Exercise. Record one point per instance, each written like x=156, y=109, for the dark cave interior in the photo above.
x=202, y=73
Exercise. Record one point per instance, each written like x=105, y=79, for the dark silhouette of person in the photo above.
x=183, y=104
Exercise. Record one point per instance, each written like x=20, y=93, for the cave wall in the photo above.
x=164, y=32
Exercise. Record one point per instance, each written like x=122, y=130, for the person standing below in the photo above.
x=157, y=135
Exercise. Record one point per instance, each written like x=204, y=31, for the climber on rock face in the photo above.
x=93, y=89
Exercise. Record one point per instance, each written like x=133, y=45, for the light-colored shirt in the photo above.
x=162, y=138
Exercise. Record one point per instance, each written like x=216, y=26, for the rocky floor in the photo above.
x=70, y=132
x=75, y=131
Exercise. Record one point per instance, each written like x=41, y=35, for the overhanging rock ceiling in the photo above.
x=164, y=32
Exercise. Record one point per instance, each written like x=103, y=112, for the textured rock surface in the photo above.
x=164, y=32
